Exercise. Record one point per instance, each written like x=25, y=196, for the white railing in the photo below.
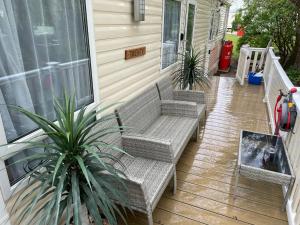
x=275, y=78
x=250, y=60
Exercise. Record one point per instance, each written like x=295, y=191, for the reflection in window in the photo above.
x=17, y=171
x=171, y=32
x=44, y=52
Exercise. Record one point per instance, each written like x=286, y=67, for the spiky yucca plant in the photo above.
x=74, y=172
x=191, y=72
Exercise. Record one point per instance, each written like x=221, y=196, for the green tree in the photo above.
x=237, y=20
x=271, y=19
x=294, y=60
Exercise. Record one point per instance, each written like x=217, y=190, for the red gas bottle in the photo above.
x=225, y=58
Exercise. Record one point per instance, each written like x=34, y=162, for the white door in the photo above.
x=244, y=64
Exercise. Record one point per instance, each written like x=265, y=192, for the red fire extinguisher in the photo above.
x=225, y=58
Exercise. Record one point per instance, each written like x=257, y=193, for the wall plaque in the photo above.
x=134, y=53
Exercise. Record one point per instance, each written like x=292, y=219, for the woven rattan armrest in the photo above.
x=179, y=108
x=191, y=96
x=151, y=148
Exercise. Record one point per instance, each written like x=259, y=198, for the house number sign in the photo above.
x=134, y=53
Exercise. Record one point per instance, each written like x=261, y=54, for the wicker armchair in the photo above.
x=160, y=129
x=166, y=92
x=146, y=177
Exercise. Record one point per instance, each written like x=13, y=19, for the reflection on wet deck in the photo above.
x=205, y=171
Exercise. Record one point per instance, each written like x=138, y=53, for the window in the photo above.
x=214, y=25
x=44, y=52
x=171, y=29
x=17, y=171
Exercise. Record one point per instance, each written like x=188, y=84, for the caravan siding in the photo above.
x=116, y=31
x=215, y=45
x=202, y=25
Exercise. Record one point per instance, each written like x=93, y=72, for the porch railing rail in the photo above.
x=275, y=78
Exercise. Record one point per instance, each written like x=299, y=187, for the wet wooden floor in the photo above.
x=205, y=172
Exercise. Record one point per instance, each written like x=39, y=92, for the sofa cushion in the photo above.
x=140, y=112
x=165, y=88
x=153, y=174
x=178, y=130
x=113, y=137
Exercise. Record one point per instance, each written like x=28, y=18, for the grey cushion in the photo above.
x=166, y=92
x=141, y=111
x=178, y=130
x=165, y=88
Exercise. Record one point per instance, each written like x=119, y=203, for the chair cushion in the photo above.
x=178, y=130
x=154, y=174
x=113, y=137
x=141, y=111
x=165, y=88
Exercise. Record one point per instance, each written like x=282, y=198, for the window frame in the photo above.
x=162, y=37
x=5, y=187
x=192, y=2
x=214, y=26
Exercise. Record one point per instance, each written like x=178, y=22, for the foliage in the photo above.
x=237, y=20
x=294, y=75
x=191, y=72
x=74, y=170
x=270, y=19
x=235, y=40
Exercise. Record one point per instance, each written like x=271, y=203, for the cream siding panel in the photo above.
x=202, y=24
x=127, y=42
x=116, y=31
x=116, y=18
x=110, y=32
x=117, y=55
x=109, y=68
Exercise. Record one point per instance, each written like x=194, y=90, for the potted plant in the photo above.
x=191, y=71
x=74, y=182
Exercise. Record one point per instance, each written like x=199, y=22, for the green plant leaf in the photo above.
x=76, y=198
x=84, y=171
x=58, y=164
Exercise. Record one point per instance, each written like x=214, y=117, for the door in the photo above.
x=190, y=25
x=244, y=64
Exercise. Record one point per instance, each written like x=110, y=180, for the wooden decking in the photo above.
x=205, y=171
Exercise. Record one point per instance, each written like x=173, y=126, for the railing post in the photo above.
x=270, y=73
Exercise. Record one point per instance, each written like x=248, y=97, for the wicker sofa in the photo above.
x=146, y=177
x=158, y=127
x=166, y=92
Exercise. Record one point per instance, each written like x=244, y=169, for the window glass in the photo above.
x=44, y=52
x=16, y=171
x=171, y=32
x=190, y=27
x=211, y=31
x=214, y=25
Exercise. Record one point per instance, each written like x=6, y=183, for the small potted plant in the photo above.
x=191, y=72
x=74, y=182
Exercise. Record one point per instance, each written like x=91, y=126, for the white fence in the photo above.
x=275, y=79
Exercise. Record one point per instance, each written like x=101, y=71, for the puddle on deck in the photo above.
x=260, y=151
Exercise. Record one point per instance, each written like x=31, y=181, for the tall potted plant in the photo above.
x=191, y=71
x=74, y=177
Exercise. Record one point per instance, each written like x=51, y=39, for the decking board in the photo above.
x=205, y=172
